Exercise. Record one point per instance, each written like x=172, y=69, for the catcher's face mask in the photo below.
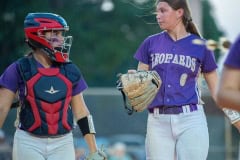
x=47, y=31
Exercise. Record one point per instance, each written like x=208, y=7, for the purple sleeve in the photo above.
x=233, y=57
x=209, y=62
x=142, y=52
x=80, y=87
x=10, y=78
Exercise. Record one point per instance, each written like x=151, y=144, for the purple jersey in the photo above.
x=12, y=80
x=233, y=57
x=178, y=64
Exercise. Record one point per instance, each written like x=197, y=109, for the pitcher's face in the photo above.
x=166, y=16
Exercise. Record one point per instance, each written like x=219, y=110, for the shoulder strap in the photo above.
x=71, y=71
x=27, y=67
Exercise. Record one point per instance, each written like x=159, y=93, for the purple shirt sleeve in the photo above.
x=10, y=78
x=142, y=52
x=209, y=62
x=233, y=58
x=80, y=87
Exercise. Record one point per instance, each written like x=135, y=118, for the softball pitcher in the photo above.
x=50, y=88
x=177, y=127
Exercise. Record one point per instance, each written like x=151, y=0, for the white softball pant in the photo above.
x=28, y=147
x=177, y=137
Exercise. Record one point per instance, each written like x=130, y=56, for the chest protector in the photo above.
x=46, y=108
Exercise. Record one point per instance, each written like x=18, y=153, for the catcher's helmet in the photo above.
x=35, y=24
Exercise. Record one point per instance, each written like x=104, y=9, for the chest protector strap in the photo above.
x=46, y=109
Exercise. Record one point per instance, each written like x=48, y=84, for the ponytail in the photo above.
x=191, y=28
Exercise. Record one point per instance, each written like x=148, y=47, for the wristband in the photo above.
x=232, y=115
x=86, y=125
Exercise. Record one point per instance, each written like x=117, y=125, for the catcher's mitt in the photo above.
x=138, y=89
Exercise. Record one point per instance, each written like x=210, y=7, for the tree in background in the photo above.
x=103, y=42
x=210, y=28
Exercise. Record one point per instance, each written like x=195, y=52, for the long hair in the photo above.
x=187, y=18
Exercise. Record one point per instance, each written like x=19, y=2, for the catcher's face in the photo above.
x=167, y=17
x=54, y=37
x=58, y=43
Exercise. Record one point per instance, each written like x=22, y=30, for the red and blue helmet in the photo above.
x=35, y=24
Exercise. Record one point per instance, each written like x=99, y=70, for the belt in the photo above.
x=174, y=109
x=45, y=136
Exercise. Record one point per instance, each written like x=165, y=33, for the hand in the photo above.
x=98, y=155
x=132, y=71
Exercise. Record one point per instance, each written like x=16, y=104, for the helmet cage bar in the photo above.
x=62, y=51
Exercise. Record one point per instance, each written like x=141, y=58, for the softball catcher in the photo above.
x=50, y=89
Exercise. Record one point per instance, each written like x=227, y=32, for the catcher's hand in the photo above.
x=138, y=89
x=98, y=155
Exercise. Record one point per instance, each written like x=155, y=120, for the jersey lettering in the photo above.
x=186, y=61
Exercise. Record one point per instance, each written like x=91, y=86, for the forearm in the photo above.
x=212, y=80
x=6, y=99
x=228, y=93
x=229, y=99
x=91, y=142
x=94, y=152
x=3, y=115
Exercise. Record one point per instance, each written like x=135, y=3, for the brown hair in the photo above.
x=187, y=18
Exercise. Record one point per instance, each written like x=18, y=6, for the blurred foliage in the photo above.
x=210, y=28
x=104, y=42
